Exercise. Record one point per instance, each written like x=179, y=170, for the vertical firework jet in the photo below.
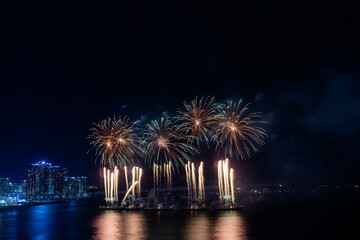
x=201, y=189
x=111, y=183
x=136, y=177
x=116, y=143
x=237, y=132
x=195, y=191
x=198, y=119
x=226, y=181
x=232, y=185
x=126, y=178
x=164, y=144
x=162, y=174
x=193, y=179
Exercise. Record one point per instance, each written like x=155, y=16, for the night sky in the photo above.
x=67, y=64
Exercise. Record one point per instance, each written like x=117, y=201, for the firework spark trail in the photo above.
x=232, y=185
x=105, y=184
x=109, y=184
x=155, y=175
x=226, y=181
x=170, y=176
x=137, y=177
x=195, y=192
x=188, y=182
x=193, y=179
x=165, y=174
x=162, y=175
x=201, y=190
x=226, y=176
x=139, y=187
x=117, y=184
x=220, y=180
x=115, y=141
x=126, y=178
x=112, y=188
x=164, y=143
x=127, y=193
x=159, y=175
x=198, y=119
x=236, y=133
x=133, y=180
x=158, y=169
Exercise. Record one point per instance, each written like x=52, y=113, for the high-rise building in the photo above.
x=4, y=186
x=45, y=181
x=76, y=187
x=82, y=182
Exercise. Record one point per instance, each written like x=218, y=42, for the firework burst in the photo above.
x=198, y=119
x=236, y=131
x=163, y=143
x=115, y=141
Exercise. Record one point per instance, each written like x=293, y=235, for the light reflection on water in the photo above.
x=230, y=225
x=84, y=220
x=119, y=225
x=169, y=225
x=222, y=225
x=78, y=220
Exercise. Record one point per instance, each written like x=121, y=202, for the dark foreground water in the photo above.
x=82, y=220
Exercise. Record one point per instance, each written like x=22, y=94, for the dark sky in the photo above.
x=66, y=64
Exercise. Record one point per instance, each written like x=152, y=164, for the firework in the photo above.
x=162, y=173
x=115, y=141
x=136, y=177
x=193, y=190
x=111, y=183
x=201, y=190
x=232, y=185
x=226, y=181
x=127, y=193
x=198, y=119
x=163, y=143
x=237, y=132
x=193, y=179
x=126, y=178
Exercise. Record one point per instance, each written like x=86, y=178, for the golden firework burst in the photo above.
x=115, y=141
x=198, y=119
x=164, y=143
x=237, y=132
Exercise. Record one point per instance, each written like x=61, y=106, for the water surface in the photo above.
x=83, y=220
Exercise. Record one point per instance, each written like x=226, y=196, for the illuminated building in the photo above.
x=76, y=187
x=45, y=181
x=4, y=186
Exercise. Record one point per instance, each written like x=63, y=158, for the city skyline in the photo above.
x=44, y=181
x=179, y=120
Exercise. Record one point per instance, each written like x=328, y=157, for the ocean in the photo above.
x=84, y=220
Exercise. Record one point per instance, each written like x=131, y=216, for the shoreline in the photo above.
x=31, y=204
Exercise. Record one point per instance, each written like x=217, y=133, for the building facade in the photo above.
x=76, y=187
x=4, y=187
x=45, y=181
